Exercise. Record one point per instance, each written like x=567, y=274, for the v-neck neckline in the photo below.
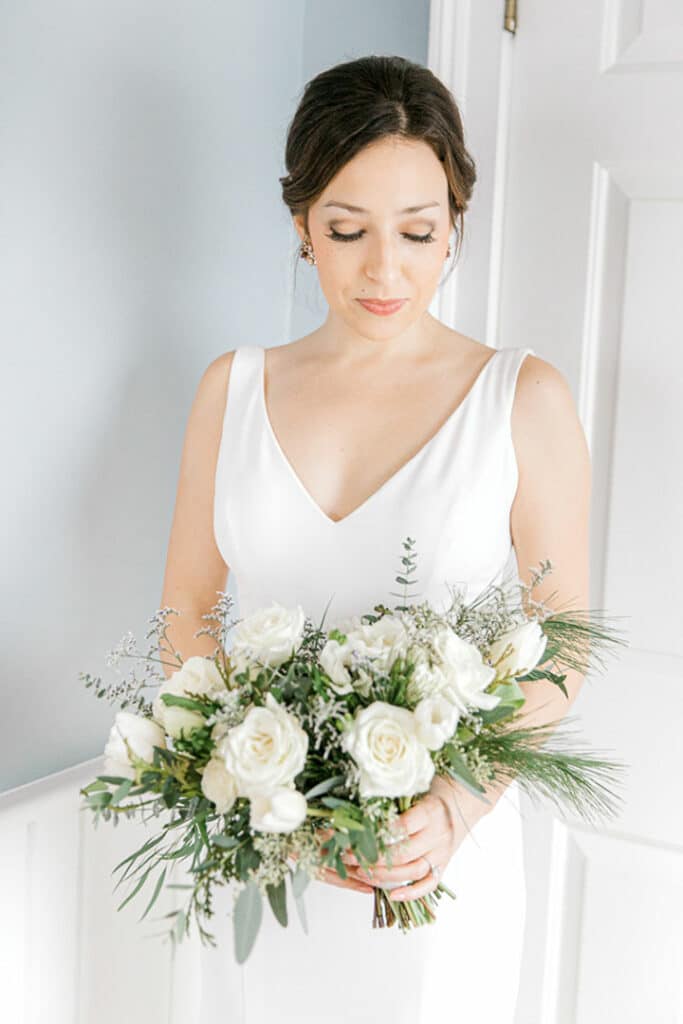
x=394, y=477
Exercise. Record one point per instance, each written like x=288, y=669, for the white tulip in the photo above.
x=218, y=785
x=436, y=719
x=528, y=643
x=272, y=634
x=278, y=810
x=143, y=734
x=198, y=675
x=384, y=744
x=268, y=749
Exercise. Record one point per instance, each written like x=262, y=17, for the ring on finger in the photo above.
x=434, y=868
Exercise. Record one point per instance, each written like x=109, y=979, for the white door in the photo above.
x=584, y=263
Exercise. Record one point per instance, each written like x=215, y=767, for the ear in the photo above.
x=299, y=225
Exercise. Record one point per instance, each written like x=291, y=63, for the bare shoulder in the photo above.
x=546, y=429
x=542, y=393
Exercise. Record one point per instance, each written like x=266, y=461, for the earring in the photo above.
x=448, y=251
x=306, y=252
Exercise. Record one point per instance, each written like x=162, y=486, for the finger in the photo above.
x=331, y=877
x=420, y=887
x=407, y=872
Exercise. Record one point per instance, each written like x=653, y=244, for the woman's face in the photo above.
x=375, y=252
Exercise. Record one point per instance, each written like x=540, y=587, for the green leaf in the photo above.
x=247, y=916
x=122, y=792
x=136, y=889
x=494, y=714
x=94, y=786
x=277, y=897
x=461, y=772
x=367, y=844
x=175, y=700
x=300, y=881
x=225, y=842
x=298, y=891
x=324, y=786
x=342, y=820
x=511, y=694
x=157, y=889
x=138, y=853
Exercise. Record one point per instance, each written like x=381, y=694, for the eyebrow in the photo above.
x=359, y=209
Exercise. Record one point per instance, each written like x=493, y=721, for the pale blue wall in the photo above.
x=143, y=233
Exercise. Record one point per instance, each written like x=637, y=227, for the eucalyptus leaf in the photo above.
x=136, y=889
x=122, y=792
x=157, y=889
x=461, y=772
x=277, y=897
x=225, y=842
x=367, y=844
x=300, y=880
x=324, y=786
x=246, y=918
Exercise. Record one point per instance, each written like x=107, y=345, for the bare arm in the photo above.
x=549, y=519
x=195, y=569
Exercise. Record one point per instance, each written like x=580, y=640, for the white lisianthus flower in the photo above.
x=426, y=680
x=528, y=643
x=380, y=643
x=458, y=673
x=272, y=634
x=198, y=675
x=143, y=735
x=384, y=744
x=436, y=719
x=268, y=749
x=383, y=641
x=465, y=674
x=334, y=660
x=278, y=810
x=218, y=785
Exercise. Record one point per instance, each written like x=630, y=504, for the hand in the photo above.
x=332, y=877
x=435, y=829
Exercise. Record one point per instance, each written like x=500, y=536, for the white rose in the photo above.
x=528, y=643
x=198, y=675
x=436, y=719
x=218, y=785
x=268, y=749
x=143, y=734
x=465, y=676
x=271, y=634
x=383, y=742
x=278, y=810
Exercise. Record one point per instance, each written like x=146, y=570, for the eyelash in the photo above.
x=337, y=237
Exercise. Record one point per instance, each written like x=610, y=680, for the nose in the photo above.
x=382, y=263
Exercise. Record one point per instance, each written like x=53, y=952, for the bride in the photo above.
x=303, y=468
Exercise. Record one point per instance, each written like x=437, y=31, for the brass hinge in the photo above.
x=510, y=16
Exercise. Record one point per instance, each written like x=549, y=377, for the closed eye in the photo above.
x=337, y=237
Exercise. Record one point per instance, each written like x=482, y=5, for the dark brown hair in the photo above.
x=348, y=106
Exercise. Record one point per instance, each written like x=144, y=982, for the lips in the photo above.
x=382, y=307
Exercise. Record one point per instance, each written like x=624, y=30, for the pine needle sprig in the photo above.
x=582, y=636
x=564, y=772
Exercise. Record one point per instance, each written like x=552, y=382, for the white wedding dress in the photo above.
x=453, y=498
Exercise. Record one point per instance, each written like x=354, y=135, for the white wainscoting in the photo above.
x=67, y=956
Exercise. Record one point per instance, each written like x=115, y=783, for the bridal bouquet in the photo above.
x=303, y=744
